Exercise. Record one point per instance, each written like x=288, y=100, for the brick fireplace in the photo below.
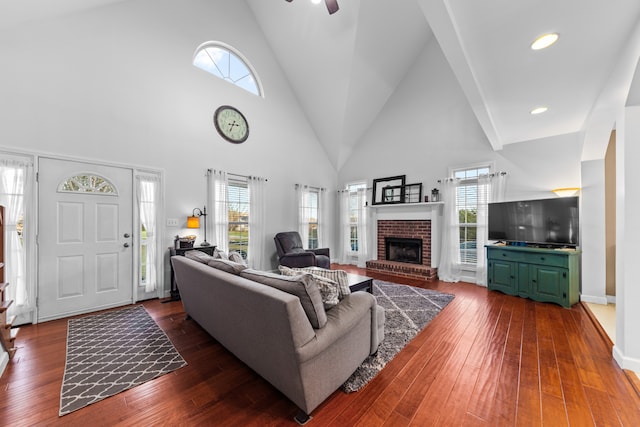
x=412, y=220
x=404, y=229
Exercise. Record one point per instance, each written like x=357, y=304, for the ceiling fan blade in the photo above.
x=332, y=5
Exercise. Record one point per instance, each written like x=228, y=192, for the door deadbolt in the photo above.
x=126, y=235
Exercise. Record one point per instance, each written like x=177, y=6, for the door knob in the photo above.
x=126, y=245
x=126, y=235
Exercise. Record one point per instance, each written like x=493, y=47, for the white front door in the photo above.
x=85, y=248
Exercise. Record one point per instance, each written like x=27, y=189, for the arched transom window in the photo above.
x=226, y=63
x=87, y=183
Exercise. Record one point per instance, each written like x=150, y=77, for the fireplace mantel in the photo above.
x=412, y=211
x=399, y=211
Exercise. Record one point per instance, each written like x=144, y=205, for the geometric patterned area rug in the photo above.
x=407, y=311
x=111, y=352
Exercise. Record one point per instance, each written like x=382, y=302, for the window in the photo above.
x=224, y=62
x=238, y=216
x=467, y=207
x=148, y=196
x=311, y=216
x=310, y=202
x=144, y=243
x=354, y=201
x=87, y=183
x=16, y=174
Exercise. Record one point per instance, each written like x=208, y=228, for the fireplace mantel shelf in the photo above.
x=421, y=205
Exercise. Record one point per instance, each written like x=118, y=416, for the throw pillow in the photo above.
x=329, y=289
x=338, y=276
x=217, y=253
x=301, y=286
x=236, y=257
x=226, y=265
x=198, y=256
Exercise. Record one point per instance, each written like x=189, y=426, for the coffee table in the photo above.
x=356, y=282
x=360, y=283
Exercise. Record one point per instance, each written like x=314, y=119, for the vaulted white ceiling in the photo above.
x=344, y=67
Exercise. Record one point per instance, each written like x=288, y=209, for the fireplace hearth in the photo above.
x=403, y=249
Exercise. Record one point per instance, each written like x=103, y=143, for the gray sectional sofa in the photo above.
x=259, y=318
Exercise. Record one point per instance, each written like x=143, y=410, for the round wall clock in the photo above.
x=231, y=124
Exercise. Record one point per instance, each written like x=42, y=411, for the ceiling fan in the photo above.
x=332, y=5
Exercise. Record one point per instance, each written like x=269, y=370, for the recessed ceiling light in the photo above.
x=544, y=41
x=538, y=110
x=316, y=1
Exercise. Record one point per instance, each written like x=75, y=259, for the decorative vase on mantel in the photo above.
x=435, y=195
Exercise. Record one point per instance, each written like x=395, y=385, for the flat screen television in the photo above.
x=543, y=222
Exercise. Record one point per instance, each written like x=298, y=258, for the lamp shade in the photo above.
x=566, y=192
x=193, y=222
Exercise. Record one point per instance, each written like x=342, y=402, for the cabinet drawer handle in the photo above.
x=541, y=258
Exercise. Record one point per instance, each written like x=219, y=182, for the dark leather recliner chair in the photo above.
x=292, y=254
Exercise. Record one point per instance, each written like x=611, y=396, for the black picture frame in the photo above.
x=394, y=190
x=392, y=194
x=413, y=193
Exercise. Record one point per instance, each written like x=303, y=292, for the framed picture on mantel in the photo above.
x=413, y=193
x=388, y=190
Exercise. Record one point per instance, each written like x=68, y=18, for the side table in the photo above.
x=175, y=293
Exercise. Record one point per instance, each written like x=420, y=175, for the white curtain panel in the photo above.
x=148, y=195
x=218, y=201
x=15, y=180
x=344, y=228
x=363, y=228
x=303, y=214
x=449, y=269
x=491, y=188
x=257, y=221
x=322, y=215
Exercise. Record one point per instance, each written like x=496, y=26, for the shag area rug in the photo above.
x=111, y=352
x=407, y=311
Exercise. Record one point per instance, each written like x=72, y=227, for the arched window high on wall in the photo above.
x=225, y=62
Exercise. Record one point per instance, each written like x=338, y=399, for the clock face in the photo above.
x=231, y=124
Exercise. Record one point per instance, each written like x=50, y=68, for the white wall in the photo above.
x=593, y=235
x=627, y=348
x=116, y=84
x=428, y=126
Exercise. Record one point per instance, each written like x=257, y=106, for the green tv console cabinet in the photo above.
x=546, y=275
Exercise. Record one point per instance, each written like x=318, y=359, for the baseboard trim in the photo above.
x=594, y=299
x=4, y=361
x=630, y=375
x=594, y=320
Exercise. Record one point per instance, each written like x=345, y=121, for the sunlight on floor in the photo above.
x=606, y=315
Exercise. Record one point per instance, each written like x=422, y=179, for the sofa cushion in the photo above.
x=301, y=286
x=329, y=289
x=226, y=265
x=236, y=257
x=198, y=256
x=338, y=276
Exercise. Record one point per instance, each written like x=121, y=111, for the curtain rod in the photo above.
x=490, y=175
x=311, y=186
x=209, y=171
x=352, y=191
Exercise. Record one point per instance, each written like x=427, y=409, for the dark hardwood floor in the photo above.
x=487, y=360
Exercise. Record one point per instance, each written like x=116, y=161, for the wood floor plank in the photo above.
x=504, y=406
x=529, y=400
x=484, y=391
x=487, y=360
